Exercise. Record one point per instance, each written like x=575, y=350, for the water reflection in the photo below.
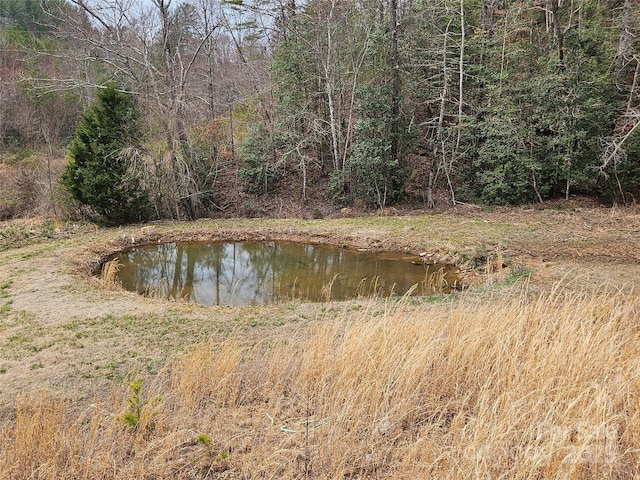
x=254, y=273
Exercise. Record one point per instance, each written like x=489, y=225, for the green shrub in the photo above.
x=259, y=171
x=98, y=173
x=375, y=175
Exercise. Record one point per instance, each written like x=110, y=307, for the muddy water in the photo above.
x=255, y=273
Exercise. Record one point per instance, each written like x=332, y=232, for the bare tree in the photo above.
x=624, y=55
x=166, y=53
x=395, y=80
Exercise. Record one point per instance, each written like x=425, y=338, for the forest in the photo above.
x=132, y=110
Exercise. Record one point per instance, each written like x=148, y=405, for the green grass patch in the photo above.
x=516, y=273
x=5, y=309
x=4, y=288
x=35, y=253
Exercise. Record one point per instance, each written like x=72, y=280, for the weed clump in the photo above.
x=109, y=274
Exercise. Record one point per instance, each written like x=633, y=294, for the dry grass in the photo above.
x=513, y=388
x=109, y=274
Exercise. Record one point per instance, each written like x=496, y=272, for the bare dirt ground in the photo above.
x=61, y=330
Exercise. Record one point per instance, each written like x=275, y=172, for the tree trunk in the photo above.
x=430, y=202
x=454, y=153
x=625, y=43
x=395, y=81
x=439, y=144
x=488, y=17
x=556, y=28
x=333, y=122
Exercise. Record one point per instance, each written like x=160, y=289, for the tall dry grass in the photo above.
x=511, y=388
x=109, y=274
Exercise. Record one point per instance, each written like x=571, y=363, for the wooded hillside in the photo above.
x=359, y=102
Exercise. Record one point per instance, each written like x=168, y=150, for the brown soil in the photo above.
x=61, y=330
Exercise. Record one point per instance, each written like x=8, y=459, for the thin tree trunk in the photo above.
x=335, y=149
x=303, y=165
x=233, y=147
x=535, y=185
x=461, y=72
x=443, y=103
x=395, y=80
x=332, y=122
x=210, y=88
x=634, y=84
x=488, y=9
x=625, y=43
x=352, y=102
x=430, y=202
x=558, y=32
x=47, y=138
x=445, y=86
x=454, y=153
x=503, y=54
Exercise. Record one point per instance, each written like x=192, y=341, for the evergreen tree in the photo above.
x=98, y=173
x=375, y=175
x=539, y=109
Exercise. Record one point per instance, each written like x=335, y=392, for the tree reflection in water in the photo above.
x=254, y=273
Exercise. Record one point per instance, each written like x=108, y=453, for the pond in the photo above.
x=261, y=272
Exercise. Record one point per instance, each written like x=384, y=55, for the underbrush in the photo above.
x=513, y=388
x=28, y=185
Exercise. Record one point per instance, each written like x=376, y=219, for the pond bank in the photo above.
x=60, y=330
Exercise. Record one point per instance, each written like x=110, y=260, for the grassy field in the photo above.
x=517, y=377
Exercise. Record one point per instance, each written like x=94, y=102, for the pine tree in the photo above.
x=98, y=173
